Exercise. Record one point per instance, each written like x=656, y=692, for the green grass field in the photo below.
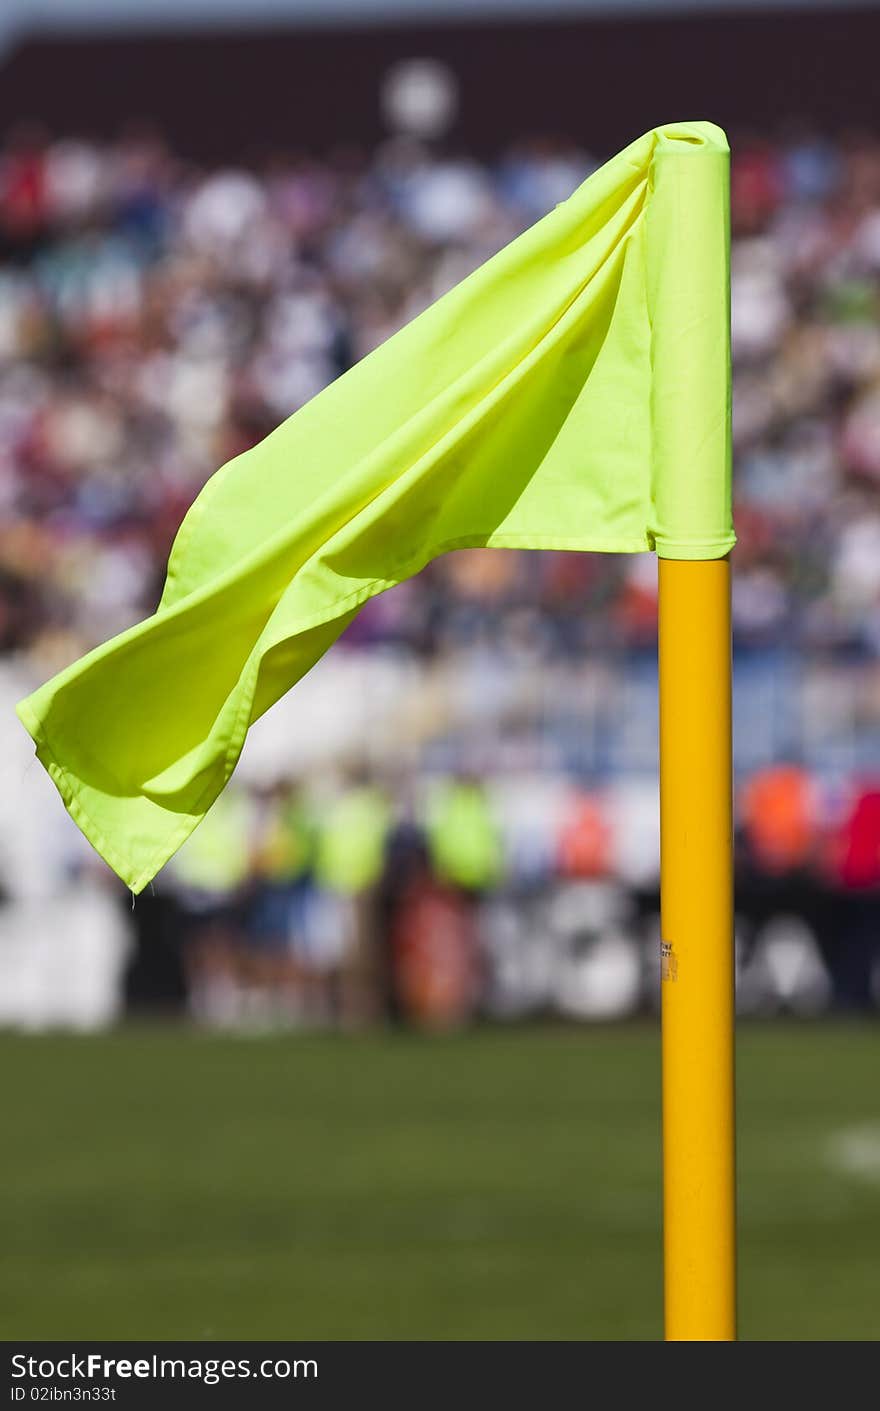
x=504, y=1185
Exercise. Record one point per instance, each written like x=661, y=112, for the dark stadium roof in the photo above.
x=23, y=18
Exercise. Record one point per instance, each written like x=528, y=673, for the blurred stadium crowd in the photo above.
x=479, y=834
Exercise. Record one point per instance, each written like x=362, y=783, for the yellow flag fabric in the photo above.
x=572, y=393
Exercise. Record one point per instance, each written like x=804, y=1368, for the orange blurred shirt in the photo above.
x=779, y=818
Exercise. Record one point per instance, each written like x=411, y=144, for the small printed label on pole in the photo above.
x=668, y=962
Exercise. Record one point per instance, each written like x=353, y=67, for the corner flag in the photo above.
x=572, y=393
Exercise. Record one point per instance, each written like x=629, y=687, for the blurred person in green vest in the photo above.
x=278, y=963
x=463, y=838
x=466, y=857
x=352, y=836
x=210, y=876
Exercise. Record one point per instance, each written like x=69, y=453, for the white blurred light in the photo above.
x=420, y=98
x=603, y=981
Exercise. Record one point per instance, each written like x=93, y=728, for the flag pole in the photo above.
x=696, y=874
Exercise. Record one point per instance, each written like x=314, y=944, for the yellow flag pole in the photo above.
x=699, y=1196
